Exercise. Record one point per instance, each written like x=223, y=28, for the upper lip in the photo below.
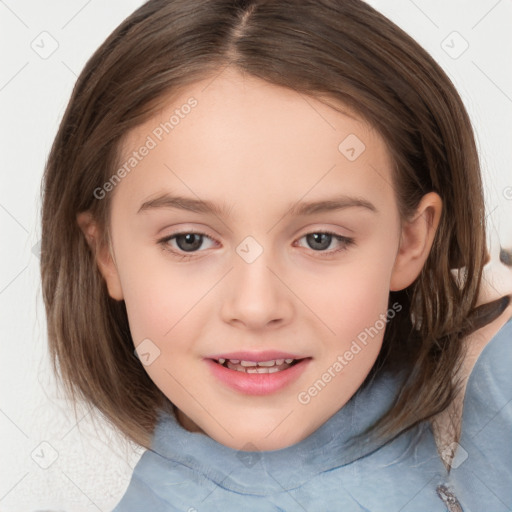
x=265, y=355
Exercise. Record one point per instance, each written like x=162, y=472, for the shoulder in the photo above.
x=496, y=283
x=483, y=378
x=476, y=343
x=489, y=384
x=482, y=463
x=492, y=342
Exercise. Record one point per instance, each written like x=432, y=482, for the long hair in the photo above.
x=340, y=51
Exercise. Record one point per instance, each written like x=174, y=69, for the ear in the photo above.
x=416, y=241
x=103, y=254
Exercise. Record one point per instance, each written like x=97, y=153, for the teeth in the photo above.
x=261, y=370
x=236, y=367
x=267, y=363
x=248, y=363
x=272, y=366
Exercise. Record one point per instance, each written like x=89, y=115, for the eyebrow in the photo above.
x=299, y=209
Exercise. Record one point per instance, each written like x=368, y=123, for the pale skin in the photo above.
x=257, y=150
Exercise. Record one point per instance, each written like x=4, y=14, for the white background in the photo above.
x=92, y=466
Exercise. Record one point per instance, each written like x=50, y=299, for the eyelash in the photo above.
x=164, y=243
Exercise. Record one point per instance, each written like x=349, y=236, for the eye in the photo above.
x=319, y=241
x=179, y=244
x=185, y=242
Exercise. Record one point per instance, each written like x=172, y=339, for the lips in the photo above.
x=257, y=373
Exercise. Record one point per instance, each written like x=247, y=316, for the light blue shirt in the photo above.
x=189, y=472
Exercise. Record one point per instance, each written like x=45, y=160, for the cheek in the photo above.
x=162, y=307
x=348, y=298
x=159, y=301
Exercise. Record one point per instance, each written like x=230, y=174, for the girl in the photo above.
x=262, y=255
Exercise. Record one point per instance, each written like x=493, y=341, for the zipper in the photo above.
x=449, y=499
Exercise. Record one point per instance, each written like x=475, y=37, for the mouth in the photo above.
x=270, y=366
x=257, y=374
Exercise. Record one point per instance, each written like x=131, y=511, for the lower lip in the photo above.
x=257, y=383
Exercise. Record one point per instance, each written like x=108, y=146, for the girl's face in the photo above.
x=254, y=224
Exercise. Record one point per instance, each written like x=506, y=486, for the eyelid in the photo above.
x=163, y=242
x=344, y=240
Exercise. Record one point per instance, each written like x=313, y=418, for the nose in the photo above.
x=256, y=296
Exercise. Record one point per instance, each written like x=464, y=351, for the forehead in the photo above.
x=241, y=137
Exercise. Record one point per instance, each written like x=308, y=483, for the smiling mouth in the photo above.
x=270, y=366
x=261, y=377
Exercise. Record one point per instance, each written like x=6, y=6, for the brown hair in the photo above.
x=339, y=50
